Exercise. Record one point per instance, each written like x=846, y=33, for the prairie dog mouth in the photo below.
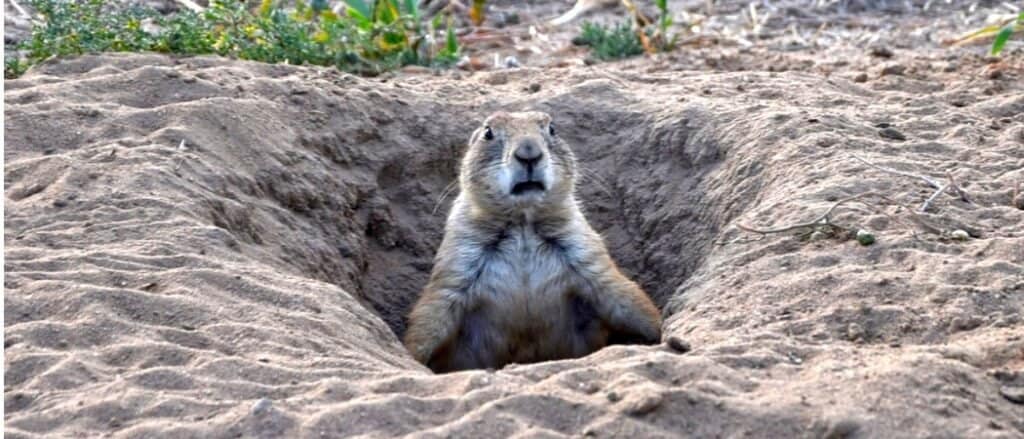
x=527, y=187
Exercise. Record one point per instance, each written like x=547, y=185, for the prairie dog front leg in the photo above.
x=433, y=322
x=620, y=302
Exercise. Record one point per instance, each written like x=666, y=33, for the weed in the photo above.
x=368, y=38
x=660, y=36
x=610, y=42
x=625, y=40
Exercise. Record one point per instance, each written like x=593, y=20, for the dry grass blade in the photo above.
x=191, y=5
x=982, y=34
x=825, y=219
x=939, y=187
x=20, y=10
x=822, y=220
x=579, y=8
x=933, y=182
x=928, y=202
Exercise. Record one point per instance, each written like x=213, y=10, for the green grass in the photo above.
x=624, y=40
x=610, y=42
x=1005, y=32
x=999, y=32
x=369, y=38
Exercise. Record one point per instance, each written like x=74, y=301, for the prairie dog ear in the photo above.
x=496, y=118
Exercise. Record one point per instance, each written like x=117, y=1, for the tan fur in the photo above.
x=522, y=277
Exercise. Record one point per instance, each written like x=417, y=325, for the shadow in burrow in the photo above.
x=378, y=217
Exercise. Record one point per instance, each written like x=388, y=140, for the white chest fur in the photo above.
x=520, y=272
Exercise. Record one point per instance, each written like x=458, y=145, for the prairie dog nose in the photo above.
x=528, y=153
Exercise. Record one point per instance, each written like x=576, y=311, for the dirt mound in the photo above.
x=207, y=248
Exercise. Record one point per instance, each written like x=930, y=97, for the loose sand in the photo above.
x=200, y=247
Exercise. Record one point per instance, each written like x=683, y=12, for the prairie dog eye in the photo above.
x=551, y=128
x=488, y=134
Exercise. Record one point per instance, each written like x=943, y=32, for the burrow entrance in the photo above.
x=364, y=194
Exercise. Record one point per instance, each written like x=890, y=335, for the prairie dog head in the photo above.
x=516, y=162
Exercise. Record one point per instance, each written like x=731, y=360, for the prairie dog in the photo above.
x=520, y=275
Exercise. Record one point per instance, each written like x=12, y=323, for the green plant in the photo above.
x=625, y=40
x=14, y=67
x=368, y=38
x=610, y=42
x=1004, y=34
x=660, y=36
x=1000, y=32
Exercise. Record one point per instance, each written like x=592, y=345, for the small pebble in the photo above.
x=642, y=401
x=679, y=345
x=841, y=429
x=865, y=237
x=262, y=406
x=861, y=77
x=892, y=133
x=993, y=72
x=1013, y=394
x=959, y=324
x=893, y=69
x=881, y=52
x=959, y=235
x=535, y=87
x=854, y=332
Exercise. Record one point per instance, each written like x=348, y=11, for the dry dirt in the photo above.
x=199, y=247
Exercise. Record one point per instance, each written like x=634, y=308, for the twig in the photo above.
x=822, y=220
x=20, y=9
x=935, y=183
x=825, y=220
x=939, y=187
x=578, y=8
x=193, y=6
x=959, y=191
x=928, y=202
x=739, y=240
x=918, y=219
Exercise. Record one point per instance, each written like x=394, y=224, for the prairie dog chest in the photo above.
x=522, y=268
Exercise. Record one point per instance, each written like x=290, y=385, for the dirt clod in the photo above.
x=1012, y=394
x=893, y=69
x=679, y=345
x=892, y=134
x=880, y=51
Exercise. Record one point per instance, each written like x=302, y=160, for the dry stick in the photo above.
x=21, y=10
x=822, y=220
x=935, y=183
x=957, y=188
x=825, y=218
x=193, y=6
x=939, y=187
x=935, y=195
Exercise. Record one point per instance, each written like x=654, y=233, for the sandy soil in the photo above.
x=199, y=247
